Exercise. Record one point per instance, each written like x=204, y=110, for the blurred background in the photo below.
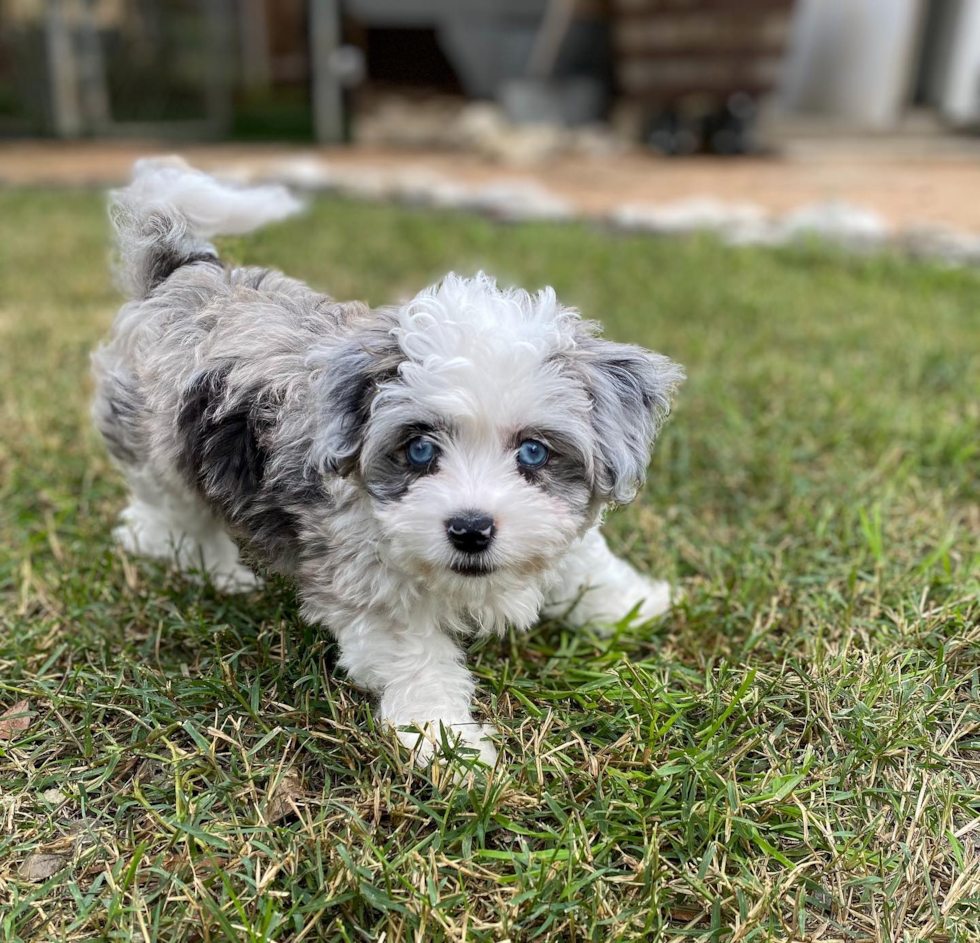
x=679, y=76
x=872, y=105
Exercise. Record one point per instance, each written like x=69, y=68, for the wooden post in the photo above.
x=66, y=112
x=93, y=88
x=218, y=79
x=328, y=99
x=254, y=40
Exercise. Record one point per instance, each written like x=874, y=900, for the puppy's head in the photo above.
x=489, y=427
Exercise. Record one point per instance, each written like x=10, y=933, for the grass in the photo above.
x=794, y=754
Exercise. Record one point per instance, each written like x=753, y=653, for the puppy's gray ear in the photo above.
x=351, y=371
x=631, y=389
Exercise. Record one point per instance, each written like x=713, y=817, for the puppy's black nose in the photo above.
x=470, y=531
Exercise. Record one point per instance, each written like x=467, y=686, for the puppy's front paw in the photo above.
x=657, y=597
x=236, y=579
x=610, y=603
x=426, y=741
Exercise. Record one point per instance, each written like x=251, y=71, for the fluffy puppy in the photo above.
x=424, y=471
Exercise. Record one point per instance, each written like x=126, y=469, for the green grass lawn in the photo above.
x=792, y=754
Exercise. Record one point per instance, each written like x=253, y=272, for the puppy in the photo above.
x=424, y=471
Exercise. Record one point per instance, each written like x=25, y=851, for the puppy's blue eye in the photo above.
x=532, y=454
x=421, y=451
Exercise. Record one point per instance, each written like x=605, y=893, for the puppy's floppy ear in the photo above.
x=351, y=372
x=631, y=389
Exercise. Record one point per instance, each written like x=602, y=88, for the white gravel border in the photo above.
x=852, y=227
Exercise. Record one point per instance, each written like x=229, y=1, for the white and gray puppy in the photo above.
x=424, y=471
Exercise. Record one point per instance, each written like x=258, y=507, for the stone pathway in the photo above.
x=928, y=201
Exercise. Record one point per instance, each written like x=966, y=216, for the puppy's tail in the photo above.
x=164, y=218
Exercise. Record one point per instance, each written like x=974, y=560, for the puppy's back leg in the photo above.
x=173, y=524
x=163, y=520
